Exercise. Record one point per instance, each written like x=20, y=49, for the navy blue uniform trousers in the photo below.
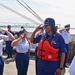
x=47, y=67
x=9, y=48
x=22, y=62
x=1, y=65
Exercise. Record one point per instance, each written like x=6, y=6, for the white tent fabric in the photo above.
x=63, y=11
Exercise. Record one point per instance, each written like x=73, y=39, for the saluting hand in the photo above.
x=21, y=36
x=37, y=29
x=33, y=34
x=3, y=29
x=58, y=71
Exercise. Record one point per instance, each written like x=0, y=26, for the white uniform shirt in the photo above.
x=72, y=67
x=2, y=39
x=66, y=36
x=22, y=46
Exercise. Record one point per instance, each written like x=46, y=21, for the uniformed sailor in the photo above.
x=8, y=44
x=51, y=49
x=66, y=35
x=23, y=51
x=8, y=37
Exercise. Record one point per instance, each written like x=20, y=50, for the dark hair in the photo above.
x=22, y=32
x=53, y=29
x=9, y=26
x=68, y=25
x=22, y=26
x=56, y=27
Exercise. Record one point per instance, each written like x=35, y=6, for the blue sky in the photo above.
x=63, y=11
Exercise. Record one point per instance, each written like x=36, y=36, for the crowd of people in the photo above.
x=51, y=48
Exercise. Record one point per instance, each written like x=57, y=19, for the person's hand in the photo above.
x=21, y=36
x=37, y=29
x=2, y=29
x=58, y=71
